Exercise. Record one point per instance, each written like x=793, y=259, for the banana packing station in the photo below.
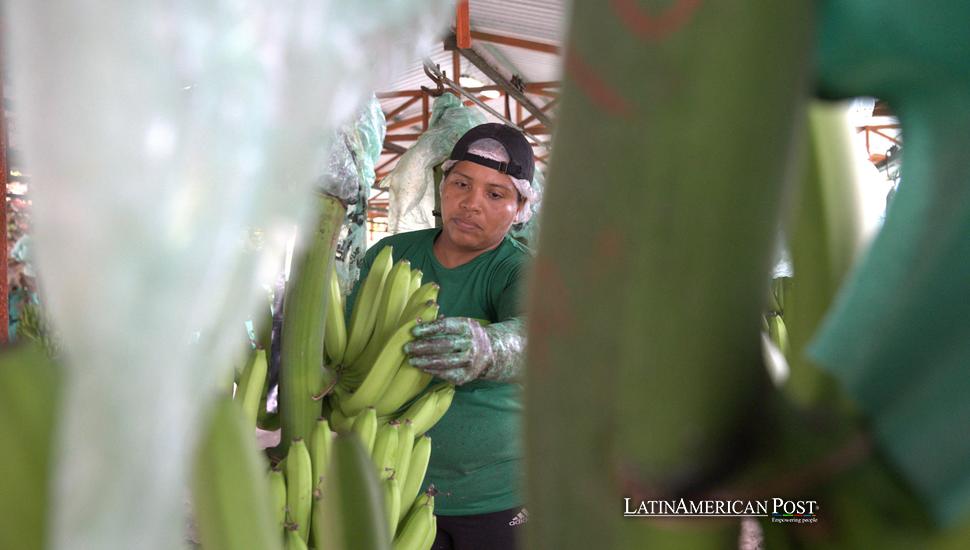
x=485, y=275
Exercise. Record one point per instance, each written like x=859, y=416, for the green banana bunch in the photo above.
x=335, y=330
x=426, y=412
x=299, y=487
x=416, y=276
x=406, y=384
x=364, y=314
x=304, y=319
x=230, y=491
x=365, y=426
x=355, y=374
x=249, y=391
x=393, y=299
x=351, y=514
x=415, y=529
x=381, y=373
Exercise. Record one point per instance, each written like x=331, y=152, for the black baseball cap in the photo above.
x=521, y=164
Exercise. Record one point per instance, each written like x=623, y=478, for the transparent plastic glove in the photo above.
x=459, y=349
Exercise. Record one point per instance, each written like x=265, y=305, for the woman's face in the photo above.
x=478, y=206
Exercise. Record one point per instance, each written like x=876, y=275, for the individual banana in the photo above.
x=229, y=485
x=428, y=541
x=778, y=332
x=394, y=298
x=335, y=331
x=416, y=276
x=365, y=426
x=446, y=395
x=320, y=449
x=420, y=298
x=364, y=313
x=405, y=448
x=407, y=383
x=249, y=392
x=339, y=421
x=425, y=292
x=420, y=456
x=350, y=514
x=299, y=486
x=421, y=412
x=416, y=526
x=382, y=372
x=277, y=497
x=385, y=448
x=392, y=502
x=294, y=541
x=389, y=320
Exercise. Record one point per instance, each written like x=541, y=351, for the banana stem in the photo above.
x=644, y=329
x=302, y=375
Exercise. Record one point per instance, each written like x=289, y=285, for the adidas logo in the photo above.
x=520, y=518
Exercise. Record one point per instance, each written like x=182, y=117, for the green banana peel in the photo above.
x=30, y=384
x=230, y=489
x=652, y=321
x=351, y=514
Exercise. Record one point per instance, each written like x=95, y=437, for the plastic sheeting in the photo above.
x=411, y=183
x=355, y=157
x=155, y=133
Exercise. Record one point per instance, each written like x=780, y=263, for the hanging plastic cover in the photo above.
x=411, y=183
x=156, y=132
x=355, y=157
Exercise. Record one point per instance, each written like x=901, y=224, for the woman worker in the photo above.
x=476, y=458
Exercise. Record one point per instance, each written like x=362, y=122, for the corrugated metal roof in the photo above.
x=539, y=20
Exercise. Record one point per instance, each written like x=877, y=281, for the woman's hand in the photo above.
x=459, y=349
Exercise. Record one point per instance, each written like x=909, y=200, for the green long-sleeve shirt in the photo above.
x=476, y=452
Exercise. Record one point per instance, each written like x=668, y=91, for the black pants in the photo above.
x=492, y=531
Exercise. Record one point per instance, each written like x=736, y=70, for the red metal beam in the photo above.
x=4, y=173
x=416, y=119
x=388, y=161
x=544, y=108
x=425, y=112
x=399, y=93
x=401, y=108
x=512, y=41
x=539, y=88
x=402, y=137
x=463, y=27
x=879, y=133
